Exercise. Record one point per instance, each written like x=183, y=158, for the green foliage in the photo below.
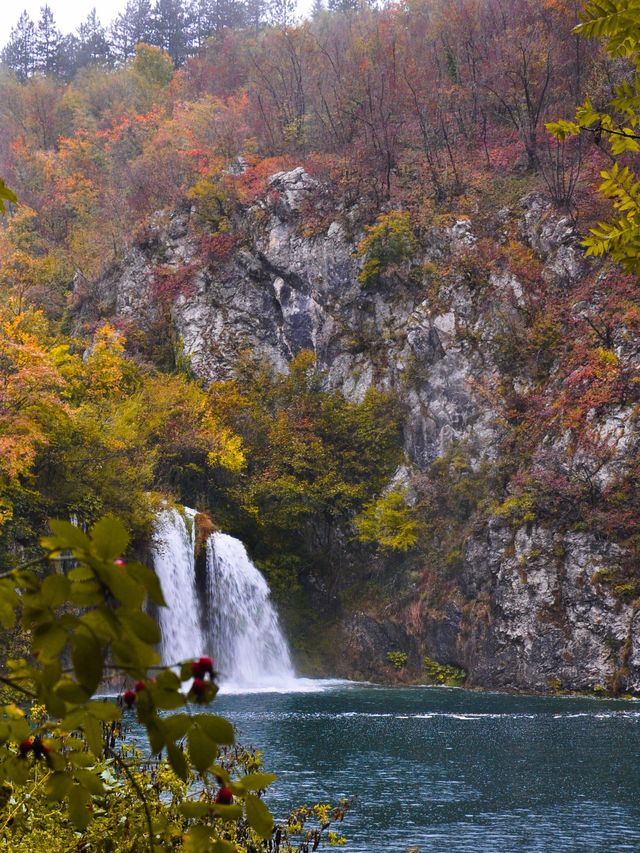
x=153, y=66
x=389, y=522
x=615, y=21
x=313, y=458
x=442, y=673
x=211, y=204
x=6, y=195
x=398, y=659
x=387, y=244
x=61, y=765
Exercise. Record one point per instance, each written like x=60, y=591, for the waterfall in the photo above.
x=173, y=553
x=237, y=626
x=248, y=645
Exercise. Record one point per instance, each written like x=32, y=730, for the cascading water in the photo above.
x=173, y=552
x=239, y=627
x=247, y=642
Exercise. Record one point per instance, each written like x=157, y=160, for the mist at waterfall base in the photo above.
x=230, y=617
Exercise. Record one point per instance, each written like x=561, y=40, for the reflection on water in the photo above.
x=453, y=770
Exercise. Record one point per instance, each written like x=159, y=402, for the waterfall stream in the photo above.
x=238, y=625
x=173, y=553
x=247, y=641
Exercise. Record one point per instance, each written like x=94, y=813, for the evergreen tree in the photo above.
x=93, y=47
x=131, y=27
x=48, y=43
x=19, y=52
x=171, y=30
x=282, y=13
x=256, y=14
x=343, y=5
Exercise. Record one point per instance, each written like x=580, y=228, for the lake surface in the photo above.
x=452, y=770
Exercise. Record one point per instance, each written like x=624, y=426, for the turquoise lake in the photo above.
x=452, y=770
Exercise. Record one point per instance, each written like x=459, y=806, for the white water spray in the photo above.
x=248, y=644
x=173, y=552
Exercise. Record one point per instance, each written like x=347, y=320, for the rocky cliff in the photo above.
x=525, y=607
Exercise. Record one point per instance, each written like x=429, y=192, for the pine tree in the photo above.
x=282, y=13
x=93, y=47
x=19, y=53
x=171, y=30
x=131, y=27
x=343, y=5
x=48, y=42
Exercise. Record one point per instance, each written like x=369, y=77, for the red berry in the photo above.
x=129, y=698
x=140, y=685
x=206, y=665
x=119, y=563
x=225, y=797
x=196, y=669
x=25, y=747
x=199, y=688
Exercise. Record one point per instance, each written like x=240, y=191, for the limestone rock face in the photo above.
x=527, y=612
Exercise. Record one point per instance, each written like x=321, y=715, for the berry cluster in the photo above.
x=200, y=690
x=200, y=686
x=34, y=745
x=129, y=696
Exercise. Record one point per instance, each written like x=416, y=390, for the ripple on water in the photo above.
x=453, y=770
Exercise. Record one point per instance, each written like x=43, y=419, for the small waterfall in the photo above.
x=248, y=646
x=173, y=552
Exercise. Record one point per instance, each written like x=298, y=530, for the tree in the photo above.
x=93, y=47
x=19, y=53
x=616, y=128
x=131, y=27
x=48, y=42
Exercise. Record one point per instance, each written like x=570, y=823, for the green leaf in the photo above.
x=8, y=602
x=176, y=726
x=71, y=692
x=192, y=809
x=109, y=537
x=58, y=786
x=259, y=816
x=48, y=641
x=55, y=589
x=78, y=811
x=66, y=537
x=106, y=711
x=177, y=761
x=197, y=840
x=6, y=195
x=149, y=581
x=257, y=781
x=86, y=656
x=93, y=733
x=143, y=626
x=216, y=728
x=202, y=750
x=227, y=812
x=89, y=781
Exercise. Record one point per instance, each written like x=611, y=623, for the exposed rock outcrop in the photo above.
x=526, y=610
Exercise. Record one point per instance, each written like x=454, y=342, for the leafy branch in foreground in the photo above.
x=85, y=623
x=617, y=22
